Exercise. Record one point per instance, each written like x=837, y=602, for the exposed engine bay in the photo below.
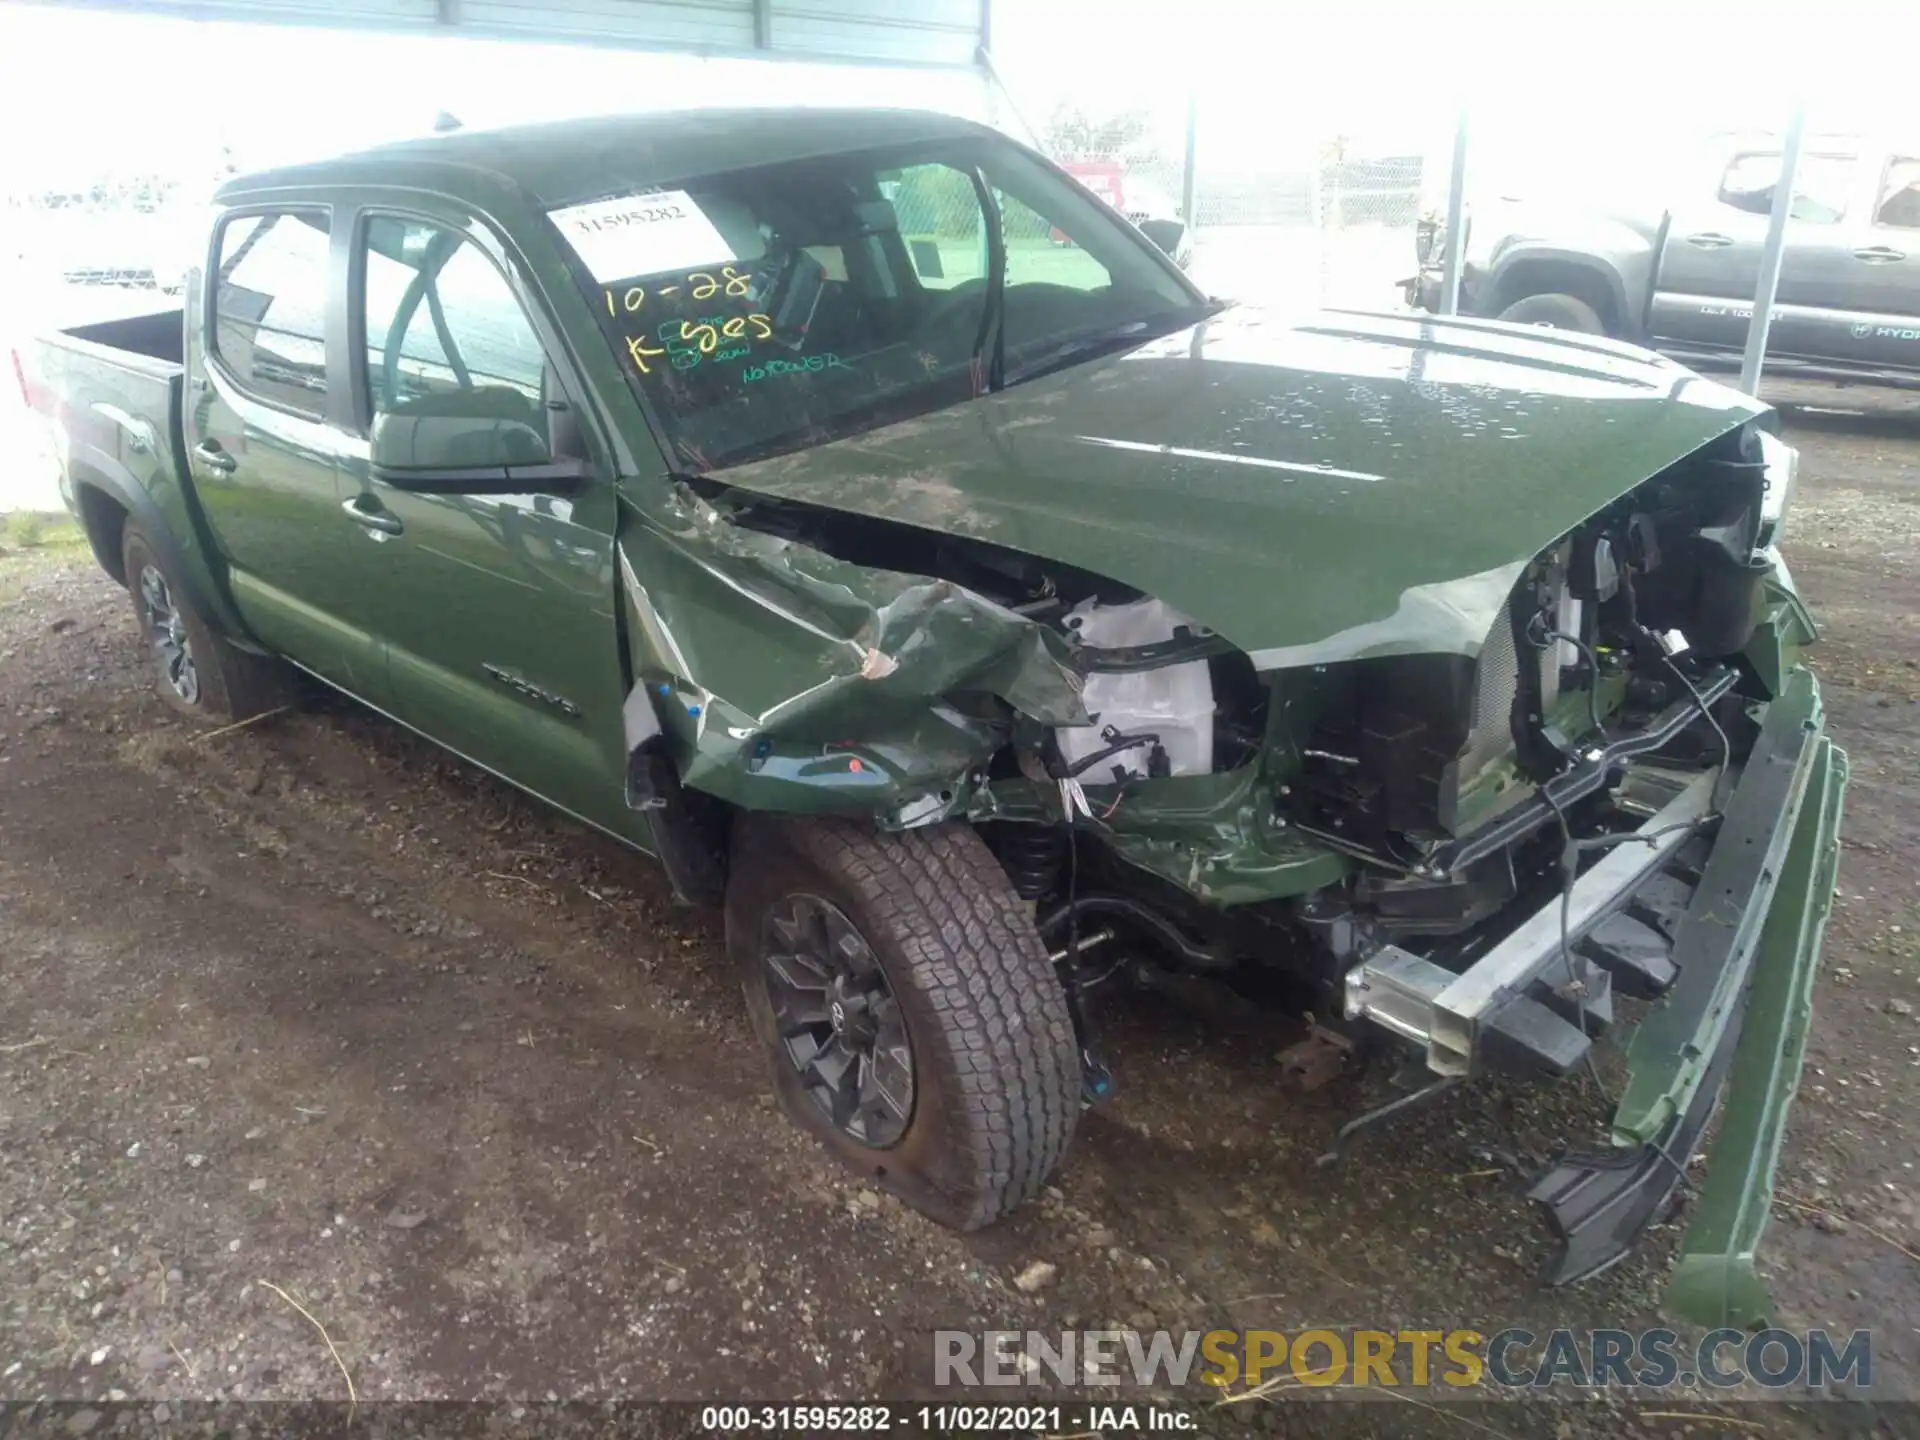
x=1411, y=752
x=1400, y=799
x=973, y=620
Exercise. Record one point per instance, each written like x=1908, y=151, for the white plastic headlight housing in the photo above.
x=1781, y=464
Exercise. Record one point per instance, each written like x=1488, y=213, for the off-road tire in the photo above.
x=1556, y=312
x=996, y=1071
x=228, y=684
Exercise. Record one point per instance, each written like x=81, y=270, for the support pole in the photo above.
x=1774, y=253
x=1187, y=174
x=1456, y=219
x=996, y=92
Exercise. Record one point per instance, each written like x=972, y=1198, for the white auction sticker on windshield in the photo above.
x=642, y=234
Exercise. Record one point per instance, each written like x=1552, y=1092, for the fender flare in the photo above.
x=1599, y=267
x=90, y=468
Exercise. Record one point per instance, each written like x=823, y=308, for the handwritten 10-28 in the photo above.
x=703, y=333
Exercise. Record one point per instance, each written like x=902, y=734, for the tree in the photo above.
x=1072, y=134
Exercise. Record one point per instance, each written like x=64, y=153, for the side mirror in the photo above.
x=926, y=259
x=1167, y=234
x=492, y=440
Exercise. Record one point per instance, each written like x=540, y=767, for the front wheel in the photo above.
x=913, y=1019
x=1555, y=312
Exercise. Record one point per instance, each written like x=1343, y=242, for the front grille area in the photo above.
x=1496, y=683
x=1426, y=746
x=1497, y=676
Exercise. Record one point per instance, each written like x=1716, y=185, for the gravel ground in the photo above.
x=310, y=1012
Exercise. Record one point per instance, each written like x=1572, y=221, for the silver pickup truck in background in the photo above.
x=1678, y=273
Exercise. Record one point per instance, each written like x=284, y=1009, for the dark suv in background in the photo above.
x=1679, y=273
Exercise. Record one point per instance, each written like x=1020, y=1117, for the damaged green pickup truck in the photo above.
x=856, y=514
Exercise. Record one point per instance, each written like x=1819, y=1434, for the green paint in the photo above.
x=1716, y=1282
x=1315, y=490
x=1674, y=1046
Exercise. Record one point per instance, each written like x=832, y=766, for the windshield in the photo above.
x=777, y=308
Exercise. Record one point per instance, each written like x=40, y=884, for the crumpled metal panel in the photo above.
x=786, y=679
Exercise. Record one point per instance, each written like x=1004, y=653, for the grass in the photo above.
x=32, y=541
x=39, y=530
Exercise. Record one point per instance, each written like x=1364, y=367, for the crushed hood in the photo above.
x=1317, y=488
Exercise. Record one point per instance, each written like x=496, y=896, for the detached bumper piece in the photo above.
x=1745, y=951
x=1520, y=1007
x=1726, y=934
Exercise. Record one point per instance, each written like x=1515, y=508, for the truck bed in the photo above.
x=154, y=344
x=113, y=391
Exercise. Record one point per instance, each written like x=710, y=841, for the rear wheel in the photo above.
x=1556, y=312
x=913, y=1020
x=200, y=673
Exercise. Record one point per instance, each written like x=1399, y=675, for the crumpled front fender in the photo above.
x=785, y=679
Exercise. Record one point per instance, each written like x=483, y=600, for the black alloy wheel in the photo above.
x=912, y=1019
x=202, y=673
x=167, y=634
x=838, y=1020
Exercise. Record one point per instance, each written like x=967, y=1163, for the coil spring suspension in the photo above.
x=1032, y=856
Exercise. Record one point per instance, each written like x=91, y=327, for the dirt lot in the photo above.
x=310, y=1005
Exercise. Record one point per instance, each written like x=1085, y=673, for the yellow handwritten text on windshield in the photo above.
x=704, y=286
x=706, y=335
x=639, y=353
x=630, y=302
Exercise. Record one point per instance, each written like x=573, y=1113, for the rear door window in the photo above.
x=1898, y=203
x=1819, y=190
x=270, y=307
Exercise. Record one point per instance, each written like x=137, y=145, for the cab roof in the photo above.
x=567, y=161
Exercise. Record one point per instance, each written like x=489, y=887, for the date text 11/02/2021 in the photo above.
x=943, y=1419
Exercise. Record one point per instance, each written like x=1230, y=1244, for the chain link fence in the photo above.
x=117, y=232
x=1291, y=219
x=1334, y=230
x=95, y=245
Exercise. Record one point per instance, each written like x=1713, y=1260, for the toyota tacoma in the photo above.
x=961, y=611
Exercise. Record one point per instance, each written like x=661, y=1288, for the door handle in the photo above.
x=1879, y=254
x=1709, y=240
x=367, y=511
x=210, y=454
